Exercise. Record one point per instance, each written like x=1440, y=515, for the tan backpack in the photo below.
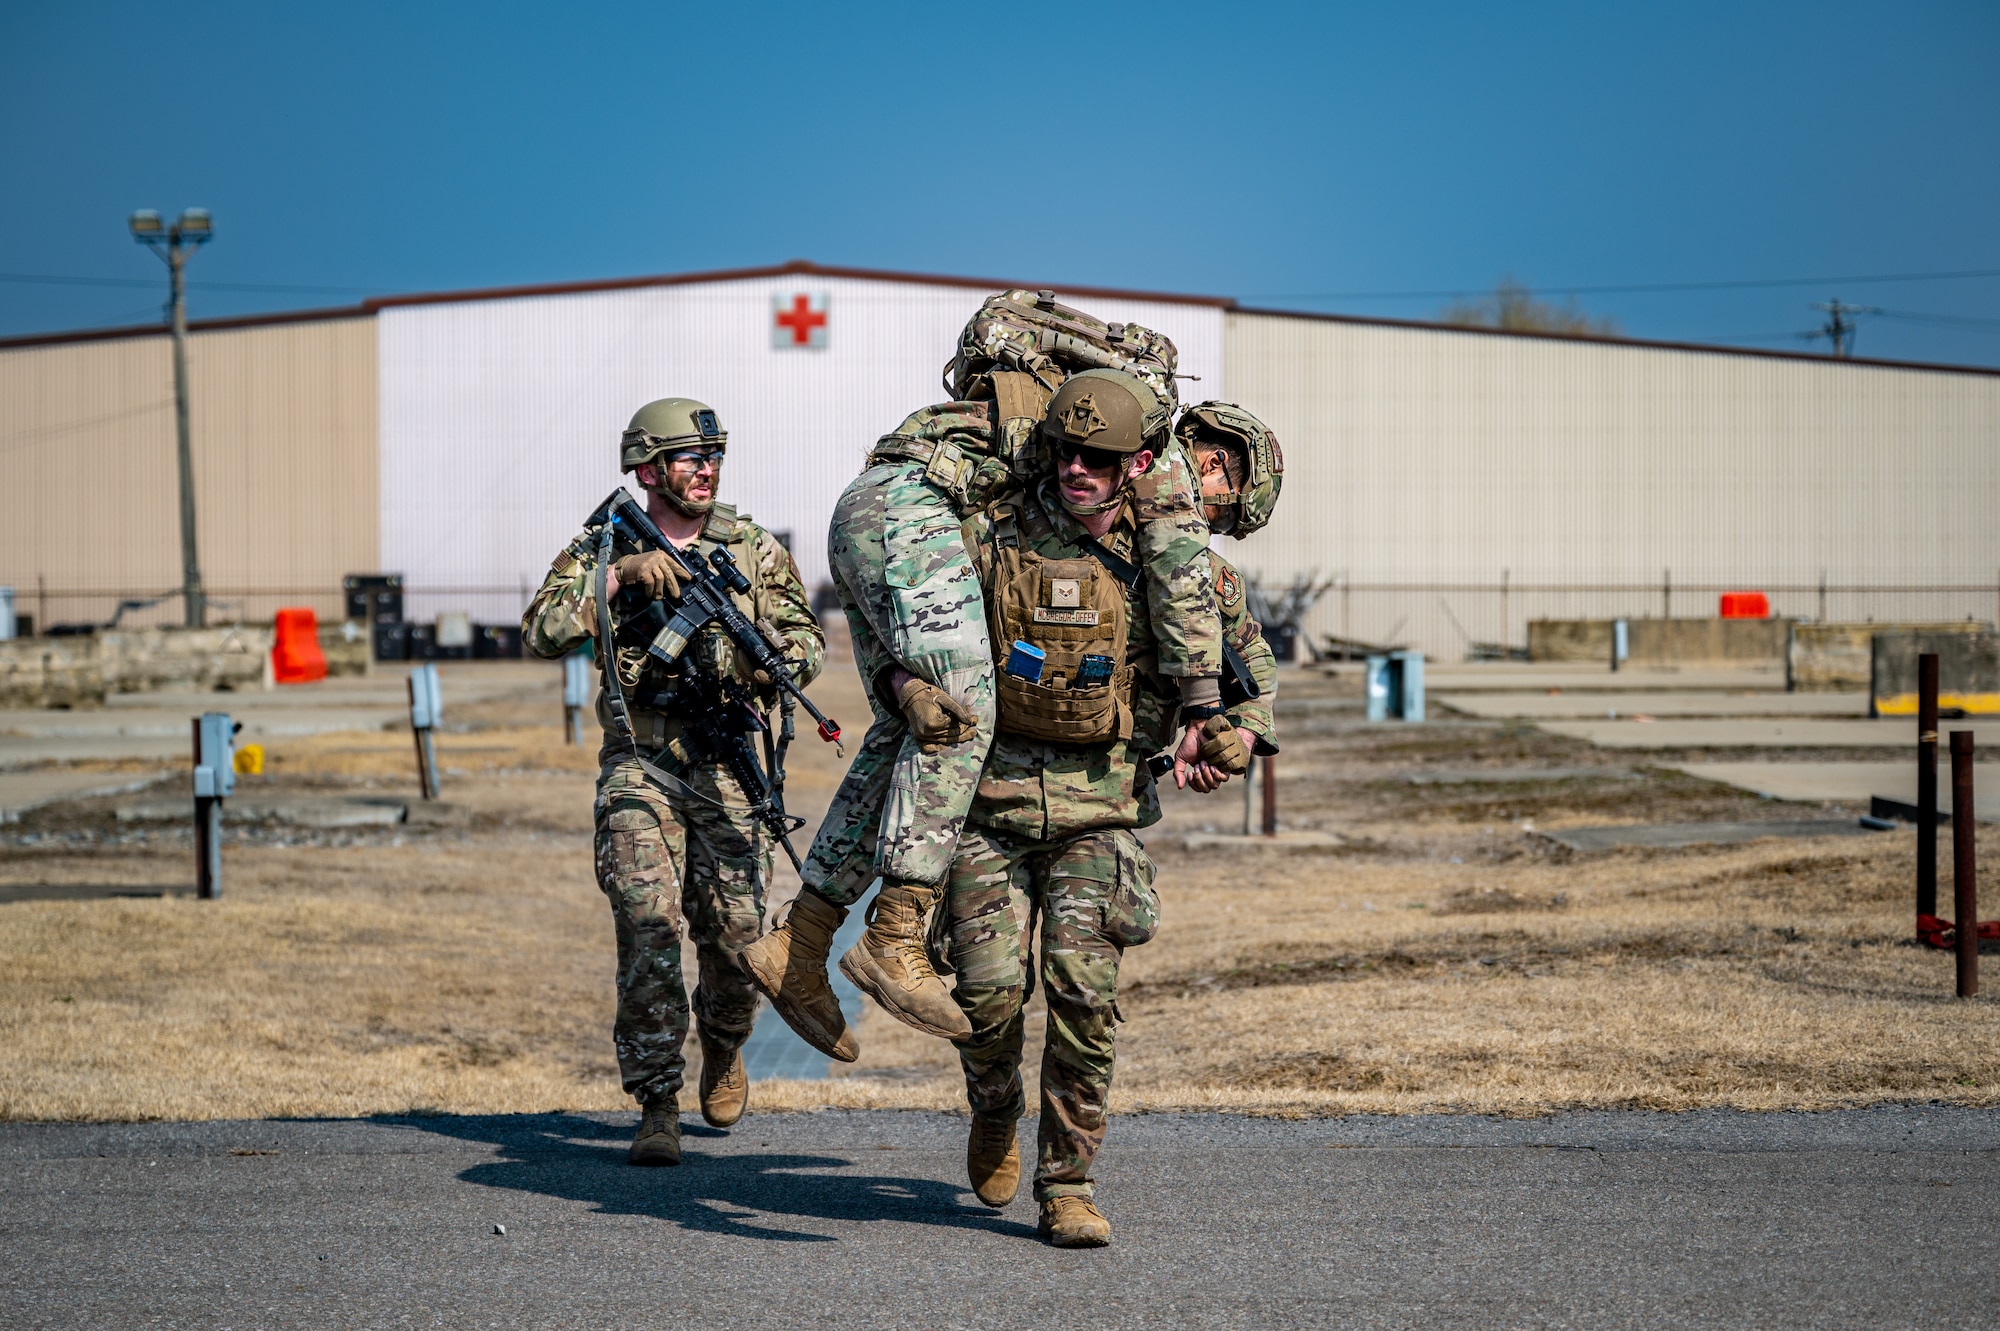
x=1023, y=344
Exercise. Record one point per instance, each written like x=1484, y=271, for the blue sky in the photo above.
x=1309, y=156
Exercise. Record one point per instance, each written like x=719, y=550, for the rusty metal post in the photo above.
x=1965, y=868
x=1270, y=795
x=1927, y=756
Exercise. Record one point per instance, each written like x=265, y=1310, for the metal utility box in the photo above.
x=1396, y=687
x=214, y=781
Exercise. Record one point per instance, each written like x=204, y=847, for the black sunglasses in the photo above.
x=1097, y=459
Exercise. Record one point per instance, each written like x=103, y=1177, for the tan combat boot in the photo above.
x=659, y=1139
x=725, y=1087
x=1074, y=1222
x=890, y=966
x=788, y=966
x=993, y=1159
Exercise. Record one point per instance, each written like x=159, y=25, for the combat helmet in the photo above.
x=659, y=428
x=1264, y=460
x=1105, y=409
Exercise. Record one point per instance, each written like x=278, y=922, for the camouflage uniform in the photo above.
x=667, y=855
x=1156, y=716
x=912, y=599
x=1051, y=834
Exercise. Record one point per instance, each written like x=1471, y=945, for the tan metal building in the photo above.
x=1450, y=483
x=1442, y=474
x=284, y=440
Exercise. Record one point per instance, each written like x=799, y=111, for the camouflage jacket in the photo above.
x=563, y=614
x=1156, y=717
x=965, y=453
x=1172, y=545
x=1046, y=791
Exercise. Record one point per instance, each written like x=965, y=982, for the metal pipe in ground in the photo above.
x=1270, y=795
x=1927, y=792
x=1965, y=867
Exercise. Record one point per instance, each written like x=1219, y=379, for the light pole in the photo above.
x=174, y=244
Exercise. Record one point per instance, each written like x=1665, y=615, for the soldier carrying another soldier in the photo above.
x=925, y=656
x=1051, y=832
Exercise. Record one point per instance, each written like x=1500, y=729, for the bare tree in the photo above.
x=1514, y=306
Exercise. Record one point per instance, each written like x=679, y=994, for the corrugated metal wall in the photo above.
x=500, y=419
x=1423, y=464
x=284, y=457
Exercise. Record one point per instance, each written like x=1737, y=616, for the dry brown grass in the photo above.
x=1444, y=961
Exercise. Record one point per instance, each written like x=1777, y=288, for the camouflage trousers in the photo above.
x=1094, y=898
x=912, y=599
x=663, y=858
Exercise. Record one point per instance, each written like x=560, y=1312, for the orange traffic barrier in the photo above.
x=296, y=658
x=1746, y=605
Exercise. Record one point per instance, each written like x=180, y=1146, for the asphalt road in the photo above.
x=1876, y=1218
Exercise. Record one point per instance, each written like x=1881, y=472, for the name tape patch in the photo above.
x=1075, y=618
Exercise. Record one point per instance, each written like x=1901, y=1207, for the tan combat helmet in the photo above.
x=1257, y=444
x=1106, y=409
x=659, y=428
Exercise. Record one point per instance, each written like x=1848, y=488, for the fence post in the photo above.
x=1271, y=795
x=1927, y=801
x=1965, y=870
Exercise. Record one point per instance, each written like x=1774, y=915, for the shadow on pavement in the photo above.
x=582, y=1159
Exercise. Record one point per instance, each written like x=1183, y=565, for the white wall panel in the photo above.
x=500, y=419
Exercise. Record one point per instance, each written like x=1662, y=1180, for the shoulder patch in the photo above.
x=1228, y=587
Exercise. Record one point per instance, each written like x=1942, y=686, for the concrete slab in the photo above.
x=13, y=892
x=1752, y=733
x=296, y=811
x=1485, y=776
x=1849, y=783
x=1673, y=836
x=22, y=791
x=1518, y=677
x=1298, y=840
x=1596, y=706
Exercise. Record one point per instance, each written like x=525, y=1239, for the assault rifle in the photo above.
x=717, y=713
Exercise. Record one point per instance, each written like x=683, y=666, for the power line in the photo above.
x=48, y=279
x=1637, y=286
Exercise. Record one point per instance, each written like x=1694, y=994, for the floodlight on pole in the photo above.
x=174, y=244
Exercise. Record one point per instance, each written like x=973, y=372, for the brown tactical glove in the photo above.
x=937, y=719
x=1222, y=747
x=655, y=572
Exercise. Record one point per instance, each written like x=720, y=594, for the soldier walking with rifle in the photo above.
x=701, y=628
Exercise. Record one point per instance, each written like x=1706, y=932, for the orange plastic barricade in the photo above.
x=296, y=658
x=1746, y=605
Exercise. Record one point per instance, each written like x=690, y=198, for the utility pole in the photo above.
x=1842, y=323
x=175, y=244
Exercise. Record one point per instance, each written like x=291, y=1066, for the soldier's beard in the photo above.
x=674, y=490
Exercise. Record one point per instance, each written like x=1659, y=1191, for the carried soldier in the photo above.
x=686, y=813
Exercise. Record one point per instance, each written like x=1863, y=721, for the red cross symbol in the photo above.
x=802, y=319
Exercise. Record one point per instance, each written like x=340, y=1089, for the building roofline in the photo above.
x=194, y=326
x=1599, y=339
x=793, y=267
x=806, y=267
